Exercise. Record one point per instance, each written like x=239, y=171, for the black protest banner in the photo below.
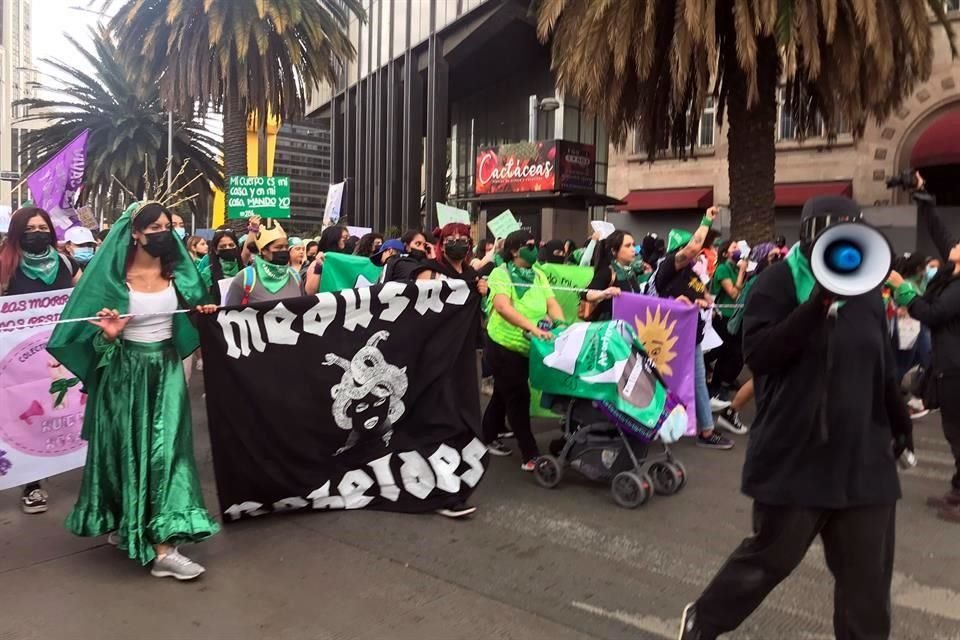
x=363, y=398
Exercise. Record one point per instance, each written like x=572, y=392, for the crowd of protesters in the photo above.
x=150, y=264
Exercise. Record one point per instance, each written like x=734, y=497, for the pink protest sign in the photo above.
x=41, y=407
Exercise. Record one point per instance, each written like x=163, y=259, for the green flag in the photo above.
x=604, y=361
x=565, y=276
x=342, y=271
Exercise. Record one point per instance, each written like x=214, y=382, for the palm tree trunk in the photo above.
x=752, y=142
x=234, y=138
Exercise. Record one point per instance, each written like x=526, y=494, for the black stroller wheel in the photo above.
x=630, y=490
x=548, y=472
x=682, y=470
x=667, y=478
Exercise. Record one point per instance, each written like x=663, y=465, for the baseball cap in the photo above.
x=393, y=244
x=79, y=235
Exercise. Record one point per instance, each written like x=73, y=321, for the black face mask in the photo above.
x=160, y=244
x=229, y=254
x=456, y=250
x=35, y=242
x=417, y=254
x=280, y=257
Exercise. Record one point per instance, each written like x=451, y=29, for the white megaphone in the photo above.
x=850, y=258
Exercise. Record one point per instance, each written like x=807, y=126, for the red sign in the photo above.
x=525, y=167
x=517, y=168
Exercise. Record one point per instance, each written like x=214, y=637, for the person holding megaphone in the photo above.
x=830, y=423
x=939, y=309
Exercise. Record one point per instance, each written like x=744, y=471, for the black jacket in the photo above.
x=939, y=308
x=827, y=399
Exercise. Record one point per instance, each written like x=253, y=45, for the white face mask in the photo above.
x=181, y=232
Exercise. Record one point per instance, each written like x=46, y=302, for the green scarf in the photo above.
x=273, y=277
x=522, y=275
x=42, y=267
x=230, y=268
x=104, y=285
x=622, y=273
x=803, y=280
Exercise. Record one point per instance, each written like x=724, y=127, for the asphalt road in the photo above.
x=565, y=564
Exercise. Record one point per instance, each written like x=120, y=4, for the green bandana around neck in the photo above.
x=42, y=267
x=803, y=280
x=521, y=275
x=273, y=277
x=230, y=268
x=622, y=273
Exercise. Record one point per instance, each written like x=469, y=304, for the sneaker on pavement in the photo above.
x=34, y=501
x=529, y=465
x=176, y=565
x=950, y=513
x=689, y=629
x=729, y=420
x=717, y=405
x=916, y=414
x=505, y=435
x=498, y=448
x=915, y=403
x=113, y=539
x=714, y=441
x=947, y=500
x=460, y=510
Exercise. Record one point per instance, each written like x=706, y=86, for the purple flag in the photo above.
x=668, y=331
x=54, y=185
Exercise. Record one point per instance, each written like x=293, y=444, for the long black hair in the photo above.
x=514, y=242
x=609, y=248
x=143, y=218
x=330, y=239
x=216, y=269
x=365, y=246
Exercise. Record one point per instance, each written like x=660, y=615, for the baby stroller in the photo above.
x=604, y=443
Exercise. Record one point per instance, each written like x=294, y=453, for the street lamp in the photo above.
x=536, y=105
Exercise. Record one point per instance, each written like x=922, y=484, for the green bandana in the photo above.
x=273, y=277
x=230, y=268
x=677, y=238
x=43, y=267
x=524, y=276
x=905, y=294
x=623, y=274
x=803, y=280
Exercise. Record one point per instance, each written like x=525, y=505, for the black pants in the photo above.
x=949, y=396
x=728, y=357
x=858, y=544
x=511, y=398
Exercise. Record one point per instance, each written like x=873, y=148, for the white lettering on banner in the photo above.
x=354, y=484
x=358, y=309
x=244, y=331
x=388, y=484
x=418, y=476
x=395, y=303
x=279, y=324
x=321, y=315
x=445, y=462
x=241, y=330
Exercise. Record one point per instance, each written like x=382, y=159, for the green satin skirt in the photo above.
x=140, y=478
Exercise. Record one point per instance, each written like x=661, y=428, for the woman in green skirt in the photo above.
x=140, y=483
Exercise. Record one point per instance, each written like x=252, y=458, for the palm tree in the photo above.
x=128, y=129
x=259, y=58
x=649, y=66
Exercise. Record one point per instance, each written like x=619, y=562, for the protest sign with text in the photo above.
x=41, y=407
x=264, y=196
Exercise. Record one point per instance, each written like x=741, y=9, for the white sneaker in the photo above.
x=113, y=539
x=916, y=404
x=461, y=510
x=176, y=565
x=717, y=405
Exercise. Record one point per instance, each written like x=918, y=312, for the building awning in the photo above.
x=796, y=194
x=556, y=198
x=666, y=199
x=939, y=143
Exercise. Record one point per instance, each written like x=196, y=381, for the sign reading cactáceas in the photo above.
x=264, y=196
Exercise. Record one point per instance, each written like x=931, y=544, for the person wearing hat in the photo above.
x=140, y=482
x=298, y=254
x=270, y=277
x=677, y=278
x=80, y=245
x=821, y=458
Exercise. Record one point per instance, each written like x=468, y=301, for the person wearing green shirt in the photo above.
x=521, y=300
x=726, y=286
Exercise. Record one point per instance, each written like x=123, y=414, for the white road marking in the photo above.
x=650, y=624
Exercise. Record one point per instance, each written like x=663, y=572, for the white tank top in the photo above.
x=151, y=328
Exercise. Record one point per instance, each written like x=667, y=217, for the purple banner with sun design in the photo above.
x=668, y=331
